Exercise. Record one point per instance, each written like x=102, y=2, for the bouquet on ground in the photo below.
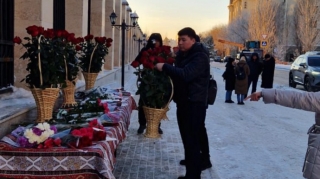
x=37, y=136
x=92, y=53
x=154, y=87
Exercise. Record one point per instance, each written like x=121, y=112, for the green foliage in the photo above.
x=154, y=88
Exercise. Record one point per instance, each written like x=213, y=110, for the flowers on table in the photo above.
x=84, y=136
x=92, y=53
x=38, y=136
x=154, y=86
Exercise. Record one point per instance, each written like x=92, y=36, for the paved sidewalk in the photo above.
x=139, y=157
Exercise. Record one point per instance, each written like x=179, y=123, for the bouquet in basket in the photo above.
x=92, y=53
x=50, y=54
x=154, y=87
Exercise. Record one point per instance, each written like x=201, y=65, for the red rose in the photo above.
x=170, y=60
x=76, y=133
x=108, y=44
x=58, y=33
x=57, y=142
x=135, y=64
x=40, y=30
x=93, y=123
x=65, y=33
x=160, y=59
x=49, y=33
x=33, y=30
x=109, y=40
x=80, y=39
x=78, y=48
x=48, y=143
x=143, y=60
x=88, y=37
x=99, y=135
x=152, y=58
x=145, y=53
x=70, y=37
x=17, y=40
x=85, y=141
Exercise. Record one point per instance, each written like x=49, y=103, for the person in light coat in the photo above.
x=308, y=101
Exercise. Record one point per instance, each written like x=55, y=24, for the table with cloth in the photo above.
x=96, y=161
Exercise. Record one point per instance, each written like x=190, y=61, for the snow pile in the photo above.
x=18, y=96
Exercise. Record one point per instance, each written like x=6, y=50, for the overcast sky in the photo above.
x=169, y=16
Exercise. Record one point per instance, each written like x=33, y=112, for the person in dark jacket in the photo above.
x=155, y=40
x=191, y=75
x=255, y=70
x=230, y=79
x=268, y=71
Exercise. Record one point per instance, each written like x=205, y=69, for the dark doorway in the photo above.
x=59, y=14
x=6, y=44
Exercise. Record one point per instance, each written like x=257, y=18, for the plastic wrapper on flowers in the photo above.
x=80, y=137
x=36, y=136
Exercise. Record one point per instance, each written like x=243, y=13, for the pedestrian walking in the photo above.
x=191, y=75
x=255, y=70
x=268, y=71
x=308, y=101
x=155, y=40
x=242, y=72
x=230, y=79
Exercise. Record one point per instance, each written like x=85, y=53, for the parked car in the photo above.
x=305, y=71
x=217, y=59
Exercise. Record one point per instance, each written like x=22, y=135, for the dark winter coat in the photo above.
x=268, y=73
x=255, y=66
x=229, y=77
x=190, y=75
x=241, y=86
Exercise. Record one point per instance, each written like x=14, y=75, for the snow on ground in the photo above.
x=256, y=140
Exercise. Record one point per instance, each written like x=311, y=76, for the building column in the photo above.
x=109, y=33
x=117, y=34
x=77, y=17
x=24, y=16
x=97, y=18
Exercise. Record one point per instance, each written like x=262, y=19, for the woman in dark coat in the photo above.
x=255, y=70
x=268, y=71
x=241, y=86
x=230, y=79
x=155, y=40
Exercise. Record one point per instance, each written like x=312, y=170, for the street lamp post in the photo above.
x=123, y=26
x=140, y=41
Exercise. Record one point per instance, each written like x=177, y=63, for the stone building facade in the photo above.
x=78, y=16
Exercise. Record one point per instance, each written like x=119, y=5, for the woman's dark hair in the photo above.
x=255, y=54
x=189, y=32
x=151, y=41
x=267, y=56
x=230, y=61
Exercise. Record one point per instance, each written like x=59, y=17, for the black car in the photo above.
x=305, y=70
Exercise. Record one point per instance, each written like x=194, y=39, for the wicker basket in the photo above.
x=45, y=100
x=154, y=116
x=68, y=95
x=90, y=79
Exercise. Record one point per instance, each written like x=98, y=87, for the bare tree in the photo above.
x=263, y=21
x=237, y=30
x=307, y=15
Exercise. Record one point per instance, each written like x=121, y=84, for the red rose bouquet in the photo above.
x=51, y=50
x=154, y=86
x=95, y=48
x=84, y=136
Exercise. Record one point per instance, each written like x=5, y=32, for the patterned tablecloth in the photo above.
x=93, y=162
